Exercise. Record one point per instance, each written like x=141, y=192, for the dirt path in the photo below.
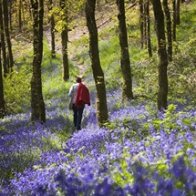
x=103, y=19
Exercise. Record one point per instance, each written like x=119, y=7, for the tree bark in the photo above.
x=29, y=8
x=7, y=34
x=178, y=12
x=141, y=4
x=2, y=101
x=174, y=20
x=23, y=13
x=125, y=61
x=3, y=46
x=37, y=101
x=20, y=15
x=102, y=111
x=149, y=45
x=169, y=28
x=162, y=53
x=52, y=30
x=64, y=41
x=145, y=23
x=10, y=14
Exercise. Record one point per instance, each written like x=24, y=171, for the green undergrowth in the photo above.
x=181, y=72
x=17, y=84
x=17, y=90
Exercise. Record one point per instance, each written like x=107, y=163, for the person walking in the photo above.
x=79, y=96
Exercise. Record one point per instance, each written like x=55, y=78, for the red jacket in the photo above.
x=83, y=96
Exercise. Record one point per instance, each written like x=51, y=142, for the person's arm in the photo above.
x=71, y=90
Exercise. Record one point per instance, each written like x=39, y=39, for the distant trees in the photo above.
x=148, y=29
x=144, y=21
x=125, y=59
x=174, y=19
x=2, y=101
x=102, y=111
x=3, y=46
x=176, y=16
x=169, y=28
x=37, y=101
x=178, y=12
x=20, y=15
x=7, y=34
x=52, y=29
x=64, y=39
x=162, y=53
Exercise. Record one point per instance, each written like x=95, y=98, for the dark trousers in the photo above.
x=77, y=116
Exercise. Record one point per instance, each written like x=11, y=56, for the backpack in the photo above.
x=83, y=95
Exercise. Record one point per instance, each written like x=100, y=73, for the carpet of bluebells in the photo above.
x=140, y=152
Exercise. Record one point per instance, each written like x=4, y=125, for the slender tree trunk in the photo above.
x=64, y=41
x=37, y=101
x=174, y=19
x=10, y=14
x=125, y=61
x=20, y=15
x=2, y=101
x=7, y=34
x=29, y=8
x=102, y=111
x=163, y=58
x=141, y=4
x=52, y=30
x=3, y=47
x=169, y=28
x=178, y=12
x=23, y=12
x=145, y=24
x=148, y=29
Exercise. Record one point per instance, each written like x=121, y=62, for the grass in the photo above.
x=144, y=69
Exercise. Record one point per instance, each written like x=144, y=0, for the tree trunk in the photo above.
x=102, y=111
x=169, y=28
x=145, y=23
x=174, y=20
x=10, y=14
x=30, y=11
x=37, y=101
x=23, y=13
x=125, y=61
x=64, y=41
x=148, y=29
x=141, y=4
x=2, y=101
x=163, y=58
x=3, y=47
x=20, y=15
x=178, y=12
x=52, y=30
x=7, y=34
